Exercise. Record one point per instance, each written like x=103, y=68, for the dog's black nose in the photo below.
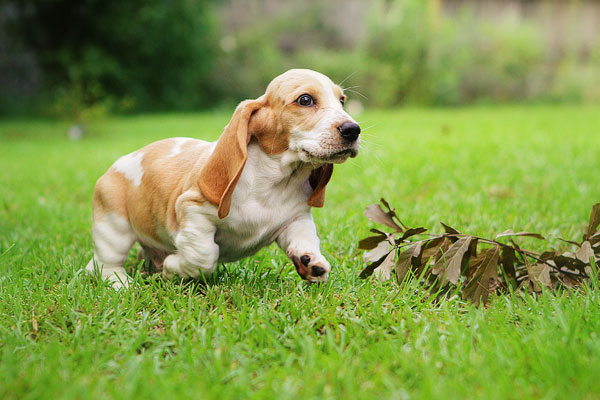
x=317, y=271
x=349, y=131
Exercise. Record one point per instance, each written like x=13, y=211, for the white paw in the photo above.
x=171, y=266
x=113, y=273
x=118, y=280
x=175, y=264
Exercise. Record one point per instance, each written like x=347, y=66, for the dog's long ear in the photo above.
x=318, y=180
x=224, y=166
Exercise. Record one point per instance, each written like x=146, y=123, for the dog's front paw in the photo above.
x=312, y=267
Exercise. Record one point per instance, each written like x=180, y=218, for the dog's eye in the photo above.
x=342, y=100
x=305, y=100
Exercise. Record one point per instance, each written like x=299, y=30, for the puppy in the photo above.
x=192, y=204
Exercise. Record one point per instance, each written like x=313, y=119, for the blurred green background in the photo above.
x=77, y=59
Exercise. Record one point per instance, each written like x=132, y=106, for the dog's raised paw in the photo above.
x=311, y=268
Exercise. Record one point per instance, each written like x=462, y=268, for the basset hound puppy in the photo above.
x=192, y=204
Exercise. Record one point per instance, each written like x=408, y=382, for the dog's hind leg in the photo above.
x=113, y=237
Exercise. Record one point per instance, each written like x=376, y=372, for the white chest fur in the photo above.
x=271, y=193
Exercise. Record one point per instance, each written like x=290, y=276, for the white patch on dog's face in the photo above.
x=313, y=127
x=130, y=166
x=322, y=143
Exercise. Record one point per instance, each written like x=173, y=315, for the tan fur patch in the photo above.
x=150, y=207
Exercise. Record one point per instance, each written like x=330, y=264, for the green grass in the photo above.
x=256, y=330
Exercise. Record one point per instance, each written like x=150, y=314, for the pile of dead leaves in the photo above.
x=479, y=266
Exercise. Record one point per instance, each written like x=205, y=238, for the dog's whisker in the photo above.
x=368, y=135
x=370, y=146
x=368, y=127
x=348, y=77
x=358, y=93
x=368, y=153
x=370, y=143
x=351, y=89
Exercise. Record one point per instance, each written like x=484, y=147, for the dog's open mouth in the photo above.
x=344, y=154
x=338, y=156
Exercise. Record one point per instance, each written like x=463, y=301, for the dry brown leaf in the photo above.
x=371, y=242
x=585, y=252
x=568, y=261
x=368, y=270
x=431, y=248
x=510, y=232
x=451, y=231
x=594, y=221
x=383, y=272
x=411, y=232
x=379, y=251
x=377, y=215
x=477, y=289
x=451, y=266
x=403, y=264
x=595, y=239
x=409, y=257
x=508, y=260
x=539, y=274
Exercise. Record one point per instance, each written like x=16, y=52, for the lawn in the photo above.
x=256, y=330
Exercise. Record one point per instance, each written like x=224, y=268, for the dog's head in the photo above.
x=302, y=111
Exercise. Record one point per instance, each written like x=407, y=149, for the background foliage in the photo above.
x=140, y=55
x=64, y=56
